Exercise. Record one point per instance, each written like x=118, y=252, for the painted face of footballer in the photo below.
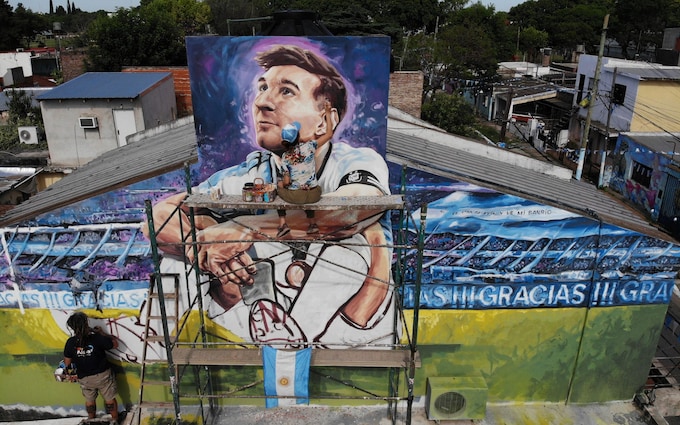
x=285, y=95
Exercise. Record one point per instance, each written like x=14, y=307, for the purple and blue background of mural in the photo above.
x=224, y=76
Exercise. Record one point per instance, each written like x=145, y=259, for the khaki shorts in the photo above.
x=300, y=196
x=104, y=383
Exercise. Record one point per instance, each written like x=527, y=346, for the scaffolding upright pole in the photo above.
x=199, y=301
x=161, y=301
x=416, y=311
x=398, y=288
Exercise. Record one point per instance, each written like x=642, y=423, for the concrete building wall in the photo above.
x=10, y=60
x=73, y=146
x=656, y=107
x=649, y=105
x=158, y=105
x=180, y=78
x=621, y=117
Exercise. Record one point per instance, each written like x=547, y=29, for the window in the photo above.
x=641, y=174
x=581, y=83
x=619, y=94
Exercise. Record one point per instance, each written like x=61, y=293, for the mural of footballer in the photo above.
x=292, y=294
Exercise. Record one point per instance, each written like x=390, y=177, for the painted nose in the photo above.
x=264, y=102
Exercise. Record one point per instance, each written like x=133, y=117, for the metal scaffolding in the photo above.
x=186, y=350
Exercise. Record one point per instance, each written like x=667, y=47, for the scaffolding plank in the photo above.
x=320, y=357
x=380, y=203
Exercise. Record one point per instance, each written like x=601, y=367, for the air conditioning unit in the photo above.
x=460, y=397
x=88, y=122
x=28, y=135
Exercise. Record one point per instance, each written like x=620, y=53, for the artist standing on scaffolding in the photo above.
x=87, y=350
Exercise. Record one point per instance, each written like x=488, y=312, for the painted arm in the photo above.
x=363, y=306
x=171, y=221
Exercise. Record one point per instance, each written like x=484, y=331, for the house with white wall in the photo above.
x=10, y=62
x=95, y=112
x=635, y=97
x=634, y=130
x=632, y=96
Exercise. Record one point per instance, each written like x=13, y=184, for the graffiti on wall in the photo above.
x=638, y=172
x=486, y=250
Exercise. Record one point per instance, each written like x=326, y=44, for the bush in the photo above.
x=450, y=112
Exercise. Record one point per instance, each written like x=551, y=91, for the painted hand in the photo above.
x=222, y=252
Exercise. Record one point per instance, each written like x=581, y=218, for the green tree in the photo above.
x=19, y=27
x=149, y=35
x=21, y=113
x=580, y=24
x=566, y=22
x=494, y=24
x=466, y=52
x=76, y=22
x=415, y=52
x=134, y=37
x=448, y=7
x=450, y=112
x=224, y=12
x=8, y=37
x=190, y=15
x=465, y=45
x=640, y=23
x=407, y=14
x=531, y=41
x=21, y=108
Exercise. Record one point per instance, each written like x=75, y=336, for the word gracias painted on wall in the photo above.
x=66, y=300
x=434, y=296
x=538, y=295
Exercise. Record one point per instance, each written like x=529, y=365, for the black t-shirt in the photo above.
x=89, y=357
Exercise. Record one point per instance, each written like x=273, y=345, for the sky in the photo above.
x=43, y=6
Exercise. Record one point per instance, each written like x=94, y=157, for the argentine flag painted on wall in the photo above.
x=286, y=373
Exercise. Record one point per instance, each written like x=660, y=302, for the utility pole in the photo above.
x=506, y=115
x=434, y=51
x=603, y=154
x=593, y=99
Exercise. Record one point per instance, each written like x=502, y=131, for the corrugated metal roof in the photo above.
x=658, y=142
x=569, y=194
x=159, y=153
x=106, y=85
